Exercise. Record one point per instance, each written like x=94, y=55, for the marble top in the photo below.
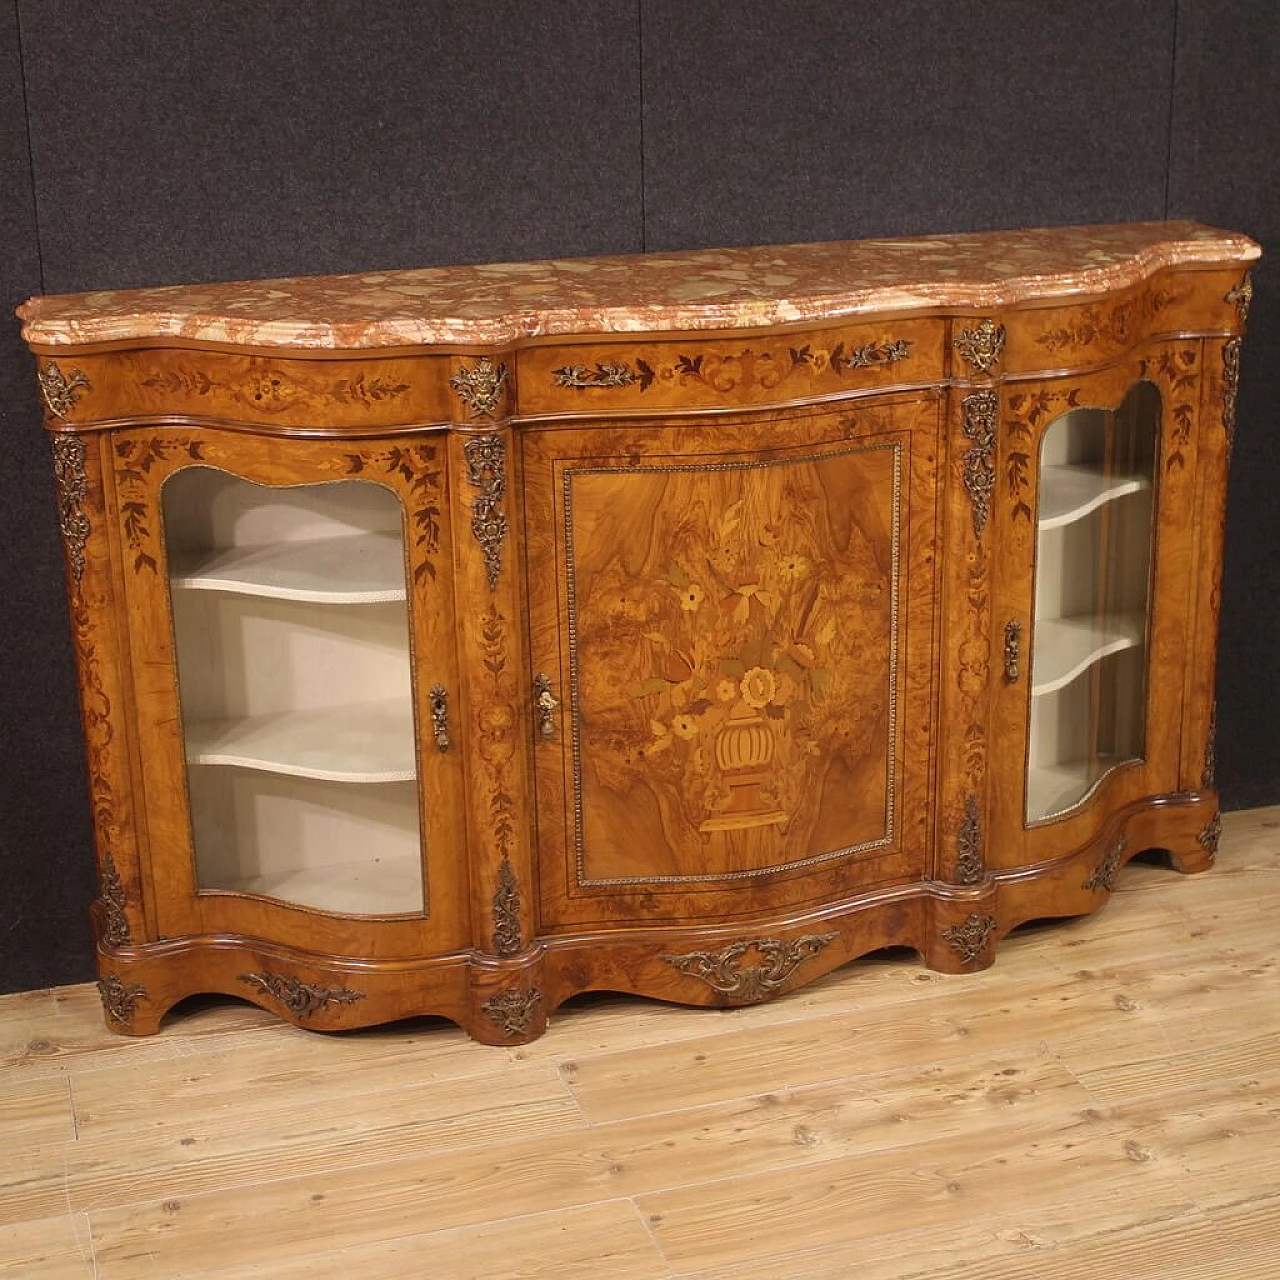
x=702, y=289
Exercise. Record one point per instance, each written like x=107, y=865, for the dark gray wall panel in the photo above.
x=176, y=141
x=1226, y=170
x=44, y=826
x=767, y=122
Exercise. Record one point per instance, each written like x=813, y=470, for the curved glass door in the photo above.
x=291, y=631
x=1089, y=653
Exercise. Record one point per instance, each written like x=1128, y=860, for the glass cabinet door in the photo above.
x=291, y=636
x=1092, y=612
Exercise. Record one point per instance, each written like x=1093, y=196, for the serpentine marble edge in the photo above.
x=696, y=290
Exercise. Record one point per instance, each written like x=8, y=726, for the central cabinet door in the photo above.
x=738, y=614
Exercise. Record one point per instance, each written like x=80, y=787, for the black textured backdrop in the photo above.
x=156, y=142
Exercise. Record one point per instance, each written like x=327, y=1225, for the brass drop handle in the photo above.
x=440, y=717
x=1012, y=650
x=546, y=703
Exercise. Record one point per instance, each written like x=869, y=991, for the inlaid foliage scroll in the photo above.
x=735, y=641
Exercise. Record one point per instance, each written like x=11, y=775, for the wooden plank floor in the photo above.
x=1104, y=1102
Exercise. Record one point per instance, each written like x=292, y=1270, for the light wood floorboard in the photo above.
x=1104, y=1102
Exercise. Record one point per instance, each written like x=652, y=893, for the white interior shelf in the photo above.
x=1053, y=789
x=373, y=886
x=362, y=568
x=1069, y=493
x=1066, y=647
x=369, y=742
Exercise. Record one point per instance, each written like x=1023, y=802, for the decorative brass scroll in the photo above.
x=980, y=410
x=72, y=483
x=115, y=932
x=512, y=1011
x=506, y=911
x=870, y=354
x=981, y=347
x=440, y=716
x=723, y=970
x=120, y=999
x=545, y=702
x=1012, y=650
x=1209, y=775
x=968, y=940
x=1230, y=388
x=969, y=843
x=487, y=471
x=1209, y=837
x=1242, y=295
x=579, y=376
x=480, y=387
x=1104, y=875
x=58, y=391
x=302, y=999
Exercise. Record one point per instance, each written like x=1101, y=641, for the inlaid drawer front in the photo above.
x=728, y=372
x=320, y=396
x=1088, y=334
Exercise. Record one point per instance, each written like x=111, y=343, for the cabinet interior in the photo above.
x=1094, y=541
x=291, y=633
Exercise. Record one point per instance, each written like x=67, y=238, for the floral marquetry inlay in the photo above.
x=734, y=661
x=726, y=373
x=135, y=460
x=272, y=389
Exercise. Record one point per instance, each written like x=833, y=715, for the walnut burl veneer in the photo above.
x=455, y=641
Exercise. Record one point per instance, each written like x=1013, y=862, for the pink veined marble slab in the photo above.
x=702, y=289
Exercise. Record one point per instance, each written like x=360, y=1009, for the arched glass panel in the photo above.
x=292, y=638
x=1089, y=656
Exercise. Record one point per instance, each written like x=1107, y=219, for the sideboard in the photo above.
x=456, y=641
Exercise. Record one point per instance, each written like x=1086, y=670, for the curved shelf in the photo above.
x=1053, y=790
x=1069, y=493
x=363, y=568
x=1067, y=647
x=371, y=742
x=371, y=887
